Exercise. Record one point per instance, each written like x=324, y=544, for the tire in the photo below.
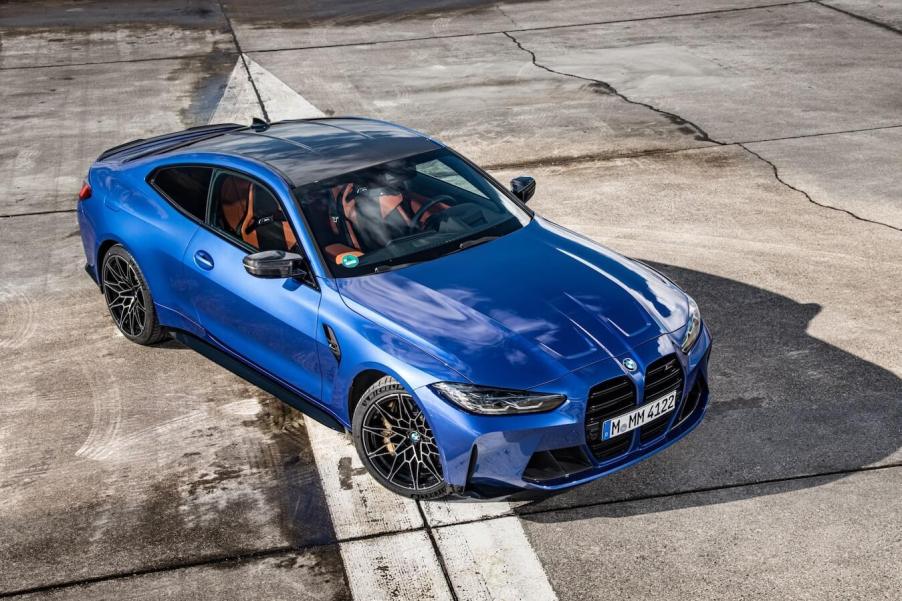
x=128, y=297
x=396, y=443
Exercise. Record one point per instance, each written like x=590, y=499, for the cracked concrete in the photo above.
x=484, y=97
x=883, y=13
x=274, y=25
x=702, y=134
x=818, y=203
x=858, y=171
x=747, y=75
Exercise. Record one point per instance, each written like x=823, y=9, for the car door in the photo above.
x=269, y=322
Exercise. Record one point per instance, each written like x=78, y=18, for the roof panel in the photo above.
x=312, y=150
x=349, y=156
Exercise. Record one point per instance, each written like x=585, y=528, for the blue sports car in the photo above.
x=383, y=284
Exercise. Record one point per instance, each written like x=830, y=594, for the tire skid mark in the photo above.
x=103, y=387
x=18, y=321
x=151, y=437
x=287, y=450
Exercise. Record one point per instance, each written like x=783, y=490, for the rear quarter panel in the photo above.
x=125, y=209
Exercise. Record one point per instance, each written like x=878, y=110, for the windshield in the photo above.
x=405, y=211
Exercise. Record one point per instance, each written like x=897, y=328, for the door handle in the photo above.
x=203, y=260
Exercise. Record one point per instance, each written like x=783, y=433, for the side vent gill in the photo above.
x=333, y=342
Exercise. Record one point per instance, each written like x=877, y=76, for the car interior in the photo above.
x=372, y=209
x=375, y=214
x=250, y=213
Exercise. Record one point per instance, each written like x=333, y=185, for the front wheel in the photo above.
x=128, y=297
x=396, y=444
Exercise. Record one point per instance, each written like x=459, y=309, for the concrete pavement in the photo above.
x=643, y=125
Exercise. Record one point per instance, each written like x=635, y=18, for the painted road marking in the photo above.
x=281, y=101
x=389, y=555
x=493, y=561
x=358, y=504
x=443, y=514
x=394, y=567
x=239, y=102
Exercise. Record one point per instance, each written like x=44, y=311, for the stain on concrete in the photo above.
x=265, y=13
x=346, y=473
x=740, y=404
x=305, y=517
x=209, y=482
x=69, y=15
x=212, y=75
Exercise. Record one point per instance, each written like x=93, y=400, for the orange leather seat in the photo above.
x=236, y=201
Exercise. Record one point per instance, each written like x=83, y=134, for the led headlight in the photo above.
x=693, y=326
x=496, y=401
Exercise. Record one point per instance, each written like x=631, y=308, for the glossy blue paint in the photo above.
x=539, y=308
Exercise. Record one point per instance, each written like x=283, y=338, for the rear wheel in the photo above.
x=395, y=442
x=128, y=297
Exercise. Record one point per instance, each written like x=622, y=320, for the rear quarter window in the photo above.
x=186, y=187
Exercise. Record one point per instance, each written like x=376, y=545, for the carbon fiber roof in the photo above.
x=310, y=150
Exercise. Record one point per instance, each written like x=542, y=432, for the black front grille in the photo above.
x=608, y=400
x=663, y=376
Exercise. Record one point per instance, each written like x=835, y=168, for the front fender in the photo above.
x=366, y=346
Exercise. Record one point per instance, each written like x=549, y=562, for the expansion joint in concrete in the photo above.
x=241, y=54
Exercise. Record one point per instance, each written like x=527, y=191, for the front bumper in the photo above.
x=507, y=456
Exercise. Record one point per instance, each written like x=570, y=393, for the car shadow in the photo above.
x=784, y=406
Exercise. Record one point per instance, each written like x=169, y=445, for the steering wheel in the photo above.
x=415, y=220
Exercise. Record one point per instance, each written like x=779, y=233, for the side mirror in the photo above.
x=275, y=264
x=523, y=187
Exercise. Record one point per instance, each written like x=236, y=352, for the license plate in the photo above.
x=638, y=417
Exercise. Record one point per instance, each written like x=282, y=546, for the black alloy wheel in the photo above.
x=128, y=297
x=395, y=442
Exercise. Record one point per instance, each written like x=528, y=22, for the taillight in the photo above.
x=85, y=192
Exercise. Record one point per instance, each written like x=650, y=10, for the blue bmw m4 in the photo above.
x=383, y=284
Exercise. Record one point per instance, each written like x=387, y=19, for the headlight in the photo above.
x=496, y=401
x=693, y=327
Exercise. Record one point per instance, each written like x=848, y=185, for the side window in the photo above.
x=249, y=213
x=186, y=187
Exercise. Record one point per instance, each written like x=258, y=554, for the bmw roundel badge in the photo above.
x=629, y=364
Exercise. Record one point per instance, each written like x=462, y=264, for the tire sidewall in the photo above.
x=384, y=387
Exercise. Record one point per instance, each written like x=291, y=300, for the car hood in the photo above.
x=524, y=309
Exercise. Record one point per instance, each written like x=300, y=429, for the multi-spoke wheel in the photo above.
x=395, y=442
x=128, y=297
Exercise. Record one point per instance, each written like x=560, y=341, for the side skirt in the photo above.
x=257, y=378
x=91, y=275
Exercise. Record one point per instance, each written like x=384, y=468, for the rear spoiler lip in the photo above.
x=158, y=144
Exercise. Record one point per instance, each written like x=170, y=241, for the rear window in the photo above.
x=186, y=187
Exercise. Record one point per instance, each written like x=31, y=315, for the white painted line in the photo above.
x=238, y=103
x=281, y=101
x=493, y=561
x=443, y=513
x=358, y=504
x=395, y=568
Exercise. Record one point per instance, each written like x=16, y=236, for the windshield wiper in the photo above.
x=475, y=242
x=391, y=266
